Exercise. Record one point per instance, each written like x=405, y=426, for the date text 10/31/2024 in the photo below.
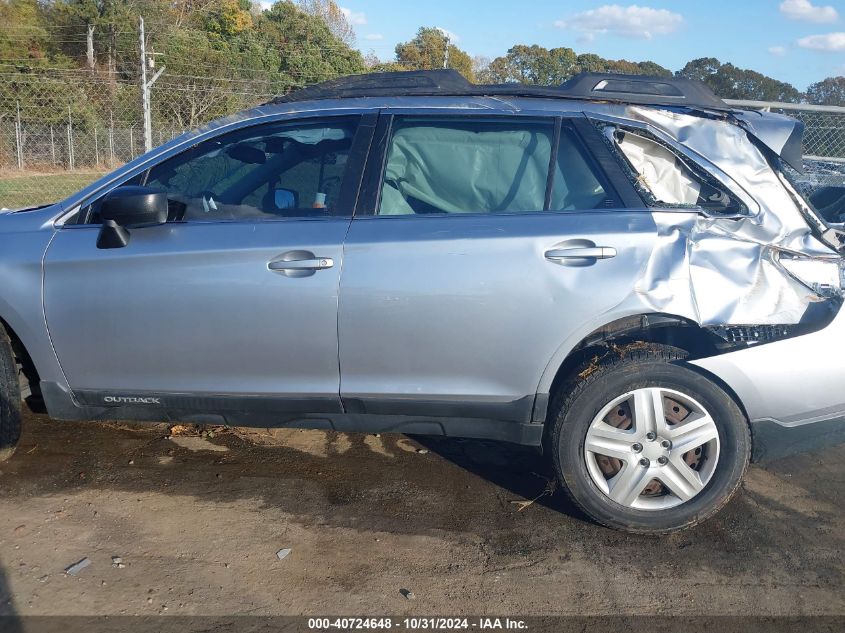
x=417, y=624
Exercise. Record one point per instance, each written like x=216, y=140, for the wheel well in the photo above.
x=645, y=328
x=624, y=333
x=30, y=381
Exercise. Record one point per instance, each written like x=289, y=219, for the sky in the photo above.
x=798, y=41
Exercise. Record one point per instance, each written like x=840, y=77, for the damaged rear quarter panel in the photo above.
x=732, y=270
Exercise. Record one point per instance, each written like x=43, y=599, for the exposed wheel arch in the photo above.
x=30, y=380
x=624, y=333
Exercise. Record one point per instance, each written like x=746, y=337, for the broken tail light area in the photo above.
x=747, y=335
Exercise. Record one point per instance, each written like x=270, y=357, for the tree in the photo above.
x=702, y=69
x=333, y=16
x=428, y=51
x=228, y=18
x=830, y=91
x=497, y=71
x=590, y=63
x=653, y=69
x=731, y=82
x=84, y=14
x=22, y=31
x=306, y=49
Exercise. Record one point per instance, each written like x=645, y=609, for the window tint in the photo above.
x=262, y=173
x=577, y=183
x=669, y=180
x=451, y=166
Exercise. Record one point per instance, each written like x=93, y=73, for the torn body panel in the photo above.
x=766, y=266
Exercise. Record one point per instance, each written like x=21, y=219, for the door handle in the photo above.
x=299, y=264
x=317, y=263
x=581, y=252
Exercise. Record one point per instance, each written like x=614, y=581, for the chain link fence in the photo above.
x=60, y=130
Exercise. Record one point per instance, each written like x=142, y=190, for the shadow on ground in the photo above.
x=474, y=490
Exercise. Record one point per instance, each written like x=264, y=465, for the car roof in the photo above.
x=605, y=87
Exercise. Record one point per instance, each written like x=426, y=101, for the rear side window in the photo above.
x=484, y=166
x=577, y=183
x=666, y=179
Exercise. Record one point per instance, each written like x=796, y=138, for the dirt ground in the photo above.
x=197, y=523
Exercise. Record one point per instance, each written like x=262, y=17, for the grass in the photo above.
x=22, y=189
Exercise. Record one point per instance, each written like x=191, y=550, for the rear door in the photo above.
x=480, y=245
x=232, y=304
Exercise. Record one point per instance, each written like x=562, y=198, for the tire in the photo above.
x=683, y=406
x=10, y=399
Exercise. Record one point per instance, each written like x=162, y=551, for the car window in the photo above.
x=261, y=173
x=577, y=185
x=666, y=178
x=449, y=166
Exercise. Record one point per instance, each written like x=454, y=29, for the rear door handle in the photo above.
x=317, y=263
x=581, y=252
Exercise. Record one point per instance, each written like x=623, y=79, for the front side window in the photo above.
x=262, y=173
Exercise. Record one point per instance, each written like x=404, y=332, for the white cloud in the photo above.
x=777, y=51
x=806, y=11
x=829, y=42
x=354, y=18
x=374, y=37
x=631, y=21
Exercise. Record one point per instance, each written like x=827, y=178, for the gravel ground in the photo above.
x=196, y=524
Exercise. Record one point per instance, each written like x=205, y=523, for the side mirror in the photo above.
x=129, y=206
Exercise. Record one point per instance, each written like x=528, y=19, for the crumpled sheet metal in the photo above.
x=720, y=271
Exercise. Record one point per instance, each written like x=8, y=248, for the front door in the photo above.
x=235, y=297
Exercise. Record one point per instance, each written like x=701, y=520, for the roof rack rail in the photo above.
x=636, y=89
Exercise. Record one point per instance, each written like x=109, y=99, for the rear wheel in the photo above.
x=10, y=399
x=644, y=445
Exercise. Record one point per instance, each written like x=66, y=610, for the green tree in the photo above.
x=23, y=35
x=306, y=50
x=730, y=82
x=427, y=51
x=228, y=18
x=830, y=91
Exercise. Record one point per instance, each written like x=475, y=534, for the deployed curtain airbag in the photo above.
x=459, y=170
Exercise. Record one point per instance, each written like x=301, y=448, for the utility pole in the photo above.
x=145, y=89
x=145, y=92
x=446, y=53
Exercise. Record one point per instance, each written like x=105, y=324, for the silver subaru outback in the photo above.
x=624, y=271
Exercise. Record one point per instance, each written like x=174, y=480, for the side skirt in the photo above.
x=264, y=412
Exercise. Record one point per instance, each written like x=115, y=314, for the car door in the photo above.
x=480, y=245
x=233, y=302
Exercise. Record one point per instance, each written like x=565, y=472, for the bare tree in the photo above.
x=333, y=16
